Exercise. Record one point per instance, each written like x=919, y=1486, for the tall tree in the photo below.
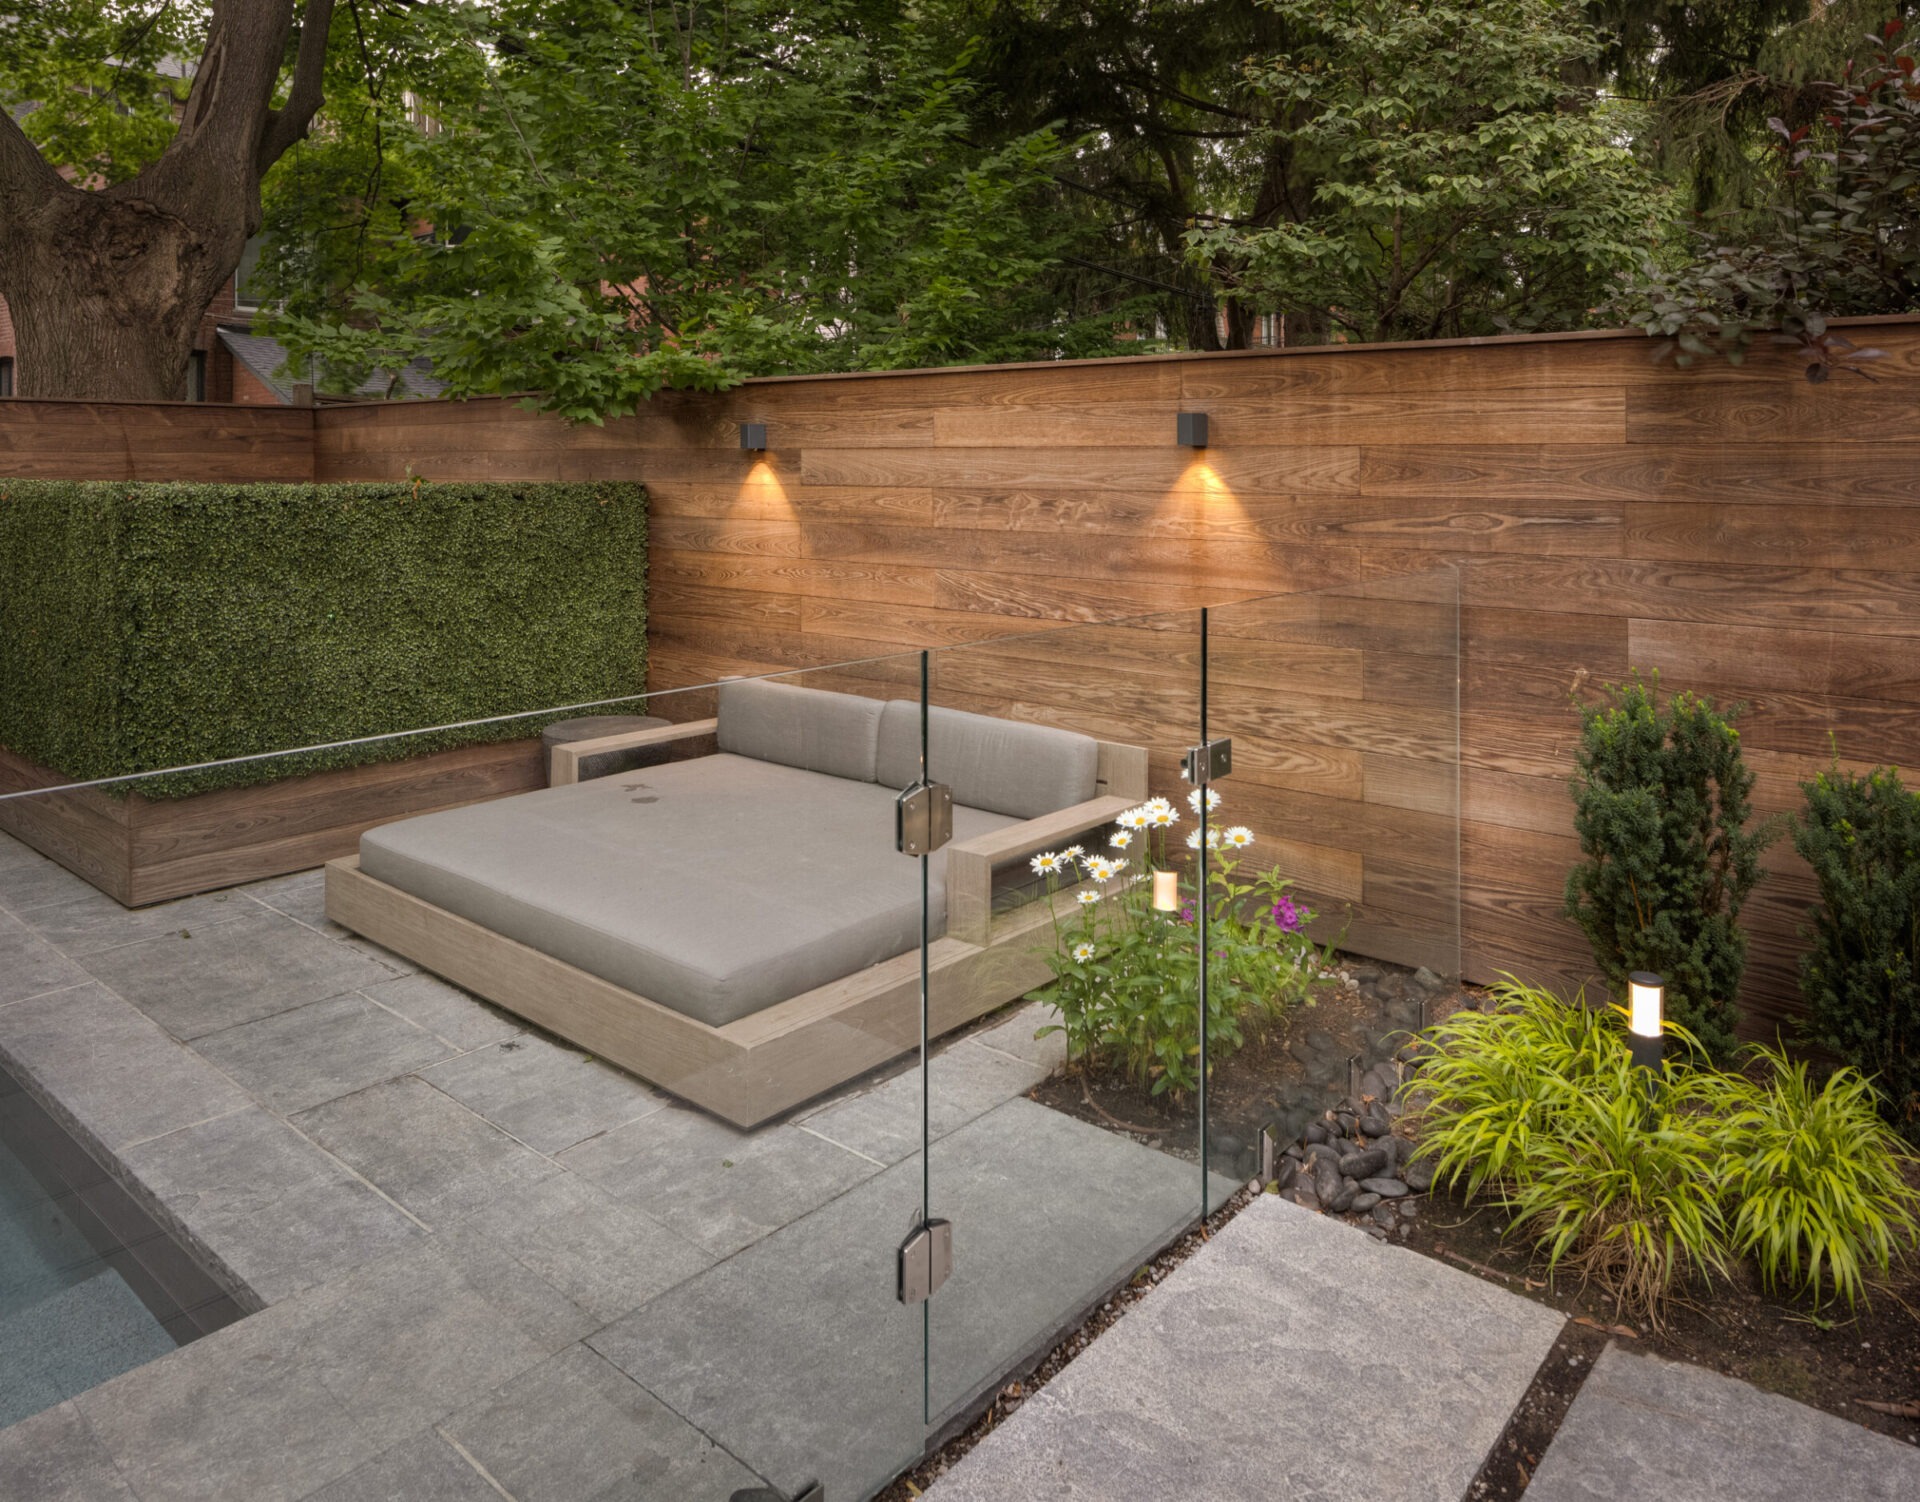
x=595, y=198
x=1454, y=177
x=107, y=262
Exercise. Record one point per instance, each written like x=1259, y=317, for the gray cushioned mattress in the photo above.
x=716, y=887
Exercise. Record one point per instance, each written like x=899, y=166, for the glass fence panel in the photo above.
x=1337, y=867
x=1064, y=1131
x=493, y=1074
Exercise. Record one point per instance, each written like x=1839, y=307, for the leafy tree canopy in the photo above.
x=596, y=198
x=1457, y=181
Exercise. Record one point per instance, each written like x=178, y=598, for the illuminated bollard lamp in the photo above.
x=1166, y=891
x=1646, y=1006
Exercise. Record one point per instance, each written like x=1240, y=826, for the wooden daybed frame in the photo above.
x=759, y=1066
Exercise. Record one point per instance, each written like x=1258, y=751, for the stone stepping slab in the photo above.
x=1643, y=1427
x=1217, y=1385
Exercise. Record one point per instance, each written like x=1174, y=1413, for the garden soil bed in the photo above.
x=1283, y=1077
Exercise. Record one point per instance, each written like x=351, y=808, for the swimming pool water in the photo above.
x=89, y=1285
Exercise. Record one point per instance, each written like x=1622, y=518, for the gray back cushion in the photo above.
x=1002, y=766
x=800, y=727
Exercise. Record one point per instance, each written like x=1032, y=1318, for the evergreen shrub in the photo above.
x=145, y=626
x=1861, y=978
x=1661, y=804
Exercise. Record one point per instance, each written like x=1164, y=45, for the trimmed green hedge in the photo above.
x=146, y=626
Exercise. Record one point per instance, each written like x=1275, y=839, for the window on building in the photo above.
x=197, y=376
x=6, y=375
x=246, y=276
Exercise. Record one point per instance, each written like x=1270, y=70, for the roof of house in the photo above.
x=267, y=360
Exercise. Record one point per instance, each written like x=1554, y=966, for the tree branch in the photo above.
x=26, y=177
x=289, y=123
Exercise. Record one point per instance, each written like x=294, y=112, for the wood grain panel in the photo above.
x=1739, y=531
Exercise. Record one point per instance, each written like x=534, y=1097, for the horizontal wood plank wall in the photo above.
x=1743, y=532
x=67, y=440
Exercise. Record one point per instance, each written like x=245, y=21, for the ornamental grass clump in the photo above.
x=1814, y=1177
x=1640, y=1180
x=1539, y=1104
x=1126, y=975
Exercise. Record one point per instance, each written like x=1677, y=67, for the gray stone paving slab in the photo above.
x=94, y=921
x=421, y=1468
x=721, y=1188
x=29, y=965
x=110, y=1069
x=1282, y=1313
x=302, y=896
x=425, y=1149
x=321, y=1051
x=1015, y=1035
x=261, y=1200
x=606, y=1257
x=55, y=1455
x=795, y=1354
x=548, y=1095
x=445, y=1011
x=236, y=972
x=305, y=1393
x=575, y=1429
x=1643, y=1427
x=29, y=880
x=965, y=1081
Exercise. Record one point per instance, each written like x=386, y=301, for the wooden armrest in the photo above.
x=970, y=863
x=564, y=767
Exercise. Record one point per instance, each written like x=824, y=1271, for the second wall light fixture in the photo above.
x=753, y=437
x=1192, y=429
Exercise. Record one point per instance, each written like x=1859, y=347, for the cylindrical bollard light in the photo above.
x=1646, y=1006
x=1166, y=891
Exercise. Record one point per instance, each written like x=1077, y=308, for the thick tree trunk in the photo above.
x=107, y=286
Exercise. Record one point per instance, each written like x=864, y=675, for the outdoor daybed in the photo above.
x=739, y=928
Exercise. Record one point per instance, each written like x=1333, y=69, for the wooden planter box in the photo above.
x=142, y=850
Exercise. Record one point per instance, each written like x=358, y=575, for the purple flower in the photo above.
x=1286, y=915
x=1186, y=915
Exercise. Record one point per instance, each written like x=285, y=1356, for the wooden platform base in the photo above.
x=746, y=1072
x=142, y=850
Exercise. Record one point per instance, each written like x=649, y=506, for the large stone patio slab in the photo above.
x=1643, y=1427
x=772, y=1351
x=1235, y=1380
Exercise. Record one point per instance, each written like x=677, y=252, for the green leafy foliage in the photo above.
x=1126, y=976
x=145, y=626
x=1540, y=1105
x=1641, y=1180
x=1814, y=1176
x=96, y=83
x=1838, y=232
x=1452, y=177
x=1861, y=977
x=1661, y=804
x=594, y=200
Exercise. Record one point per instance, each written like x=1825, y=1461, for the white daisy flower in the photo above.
x=1164, y=817
x=1133, y=818
x=1100, y=868
x=1157, y=806
x=1121, y=839
x=1238, y=837
x=1048, y=864
x=1213, y=840
x=1073, y=852
x=1083, y=951
x=1193, y=800
x=1087, y=899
